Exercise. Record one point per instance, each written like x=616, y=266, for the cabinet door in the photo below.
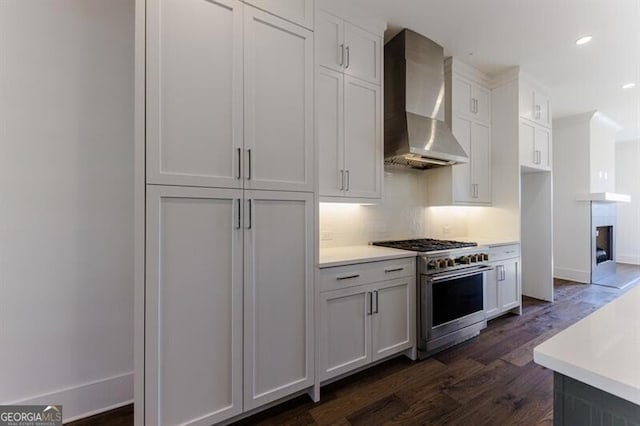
x=462, y=181
x=193, y=314
x=194, y=92
x=297, y=11
x=330, y=110
x=481, y=162
x=345, y=336
x=491, y=296
x=461, y=95
x=526, y=102
x=278, y=71
x=528, y=156
x=330, y=41
x=278, y=295
x=363, y=54
x=509, y=286
x=541, y=110
x=362, y=139
x=482, y=99
x=393, y=319
x=543, y=147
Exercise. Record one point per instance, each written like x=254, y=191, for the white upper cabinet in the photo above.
x=362, y=54
x=330, y=41
x=330, y=116
x=471, y=99
x=535, y=126
x=278, y=119
x=535, y=146
x=348, y=48
x=349, y=136
x=362, y=139
x=229, y=97
x=194, y=92
x=468, y=113
x=535, y=105
x=297, y=11
x=349, y=109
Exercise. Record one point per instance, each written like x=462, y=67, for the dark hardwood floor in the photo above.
x=489, y=380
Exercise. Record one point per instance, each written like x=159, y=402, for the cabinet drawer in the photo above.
x=504, y=252
x=365, y=273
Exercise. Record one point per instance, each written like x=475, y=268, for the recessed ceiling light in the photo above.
x=584, y=40
x=629, y=86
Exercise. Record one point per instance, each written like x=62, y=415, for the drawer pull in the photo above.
x=393, y=270
x=348, y=277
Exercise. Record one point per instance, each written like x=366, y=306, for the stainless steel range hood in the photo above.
x=415, y=133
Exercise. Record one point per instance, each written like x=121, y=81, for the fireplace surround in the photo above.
x=603, y=240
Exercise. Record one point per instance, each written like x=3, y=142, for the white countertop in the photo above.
x=339, y=256
x=487, y=241
x=601, y=350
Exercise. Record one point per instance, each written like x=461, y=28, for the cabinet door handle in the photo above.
x=239, y=223
x=370, y=303
x=341, y=180
x=475, y=105
x=239, y=174
x=348, y=277
x=348, y=180
x=348, y=57
x=249, y=164
x=377, y=305
x=472, y=105
x=393, y=270
x=341, y=63
x=250, y=214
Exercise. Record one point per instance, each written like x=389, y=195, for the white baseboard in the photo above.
x=572, y=275
x=632, y=260
x=88, y=399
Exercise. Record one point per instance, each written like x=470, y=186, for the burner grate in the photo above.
x=424, y=244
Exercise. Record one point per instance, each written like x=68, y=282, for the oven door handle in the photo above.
x=461, y=274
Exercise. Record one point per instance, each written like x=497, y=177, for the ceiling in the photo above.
x=539, y=36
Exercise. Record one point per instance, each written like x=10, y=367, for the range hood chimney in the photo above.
x=415, y=133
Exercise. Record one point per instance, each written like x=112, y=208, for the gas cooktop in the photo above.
x=424, y=244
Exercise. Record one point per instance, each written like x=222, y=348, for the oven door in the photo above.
x=452, y=301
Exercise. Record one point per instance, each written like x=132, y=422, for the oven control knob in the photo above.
x=451, y=262
x=485, y=256
x=464, y=259
x=432, y=265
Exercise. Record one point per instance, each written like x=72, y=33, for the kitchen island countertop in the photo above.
x=601, y=350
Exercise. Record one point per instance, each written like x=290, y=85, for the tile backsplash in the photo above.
x=402, y=213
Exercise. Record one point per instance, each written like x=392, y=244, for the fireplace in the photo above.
x=604, y=244
x=603, y=222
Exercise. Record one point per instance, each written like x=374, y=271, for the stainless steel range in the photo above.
x=451, y=279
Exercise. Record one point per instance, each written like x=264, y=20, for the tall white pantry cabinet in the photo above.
x=225, y=151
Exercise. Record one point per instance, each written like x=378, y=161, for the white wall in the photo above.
x=571, y=218
x=66, y=206
x=628, y=182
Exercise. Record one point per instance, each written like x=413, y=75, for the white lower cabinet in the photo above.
x=503, y=291
x=364, y=322
x=228, y=295
x=278, y=295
